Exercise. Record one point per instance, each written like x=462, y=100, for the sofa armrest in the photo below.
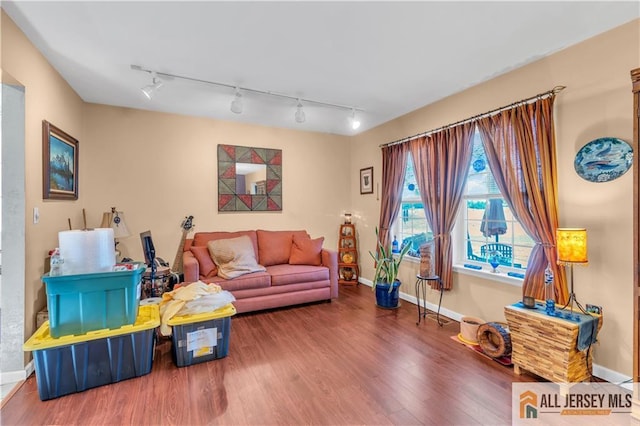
x=330, y=260
x=191, y=267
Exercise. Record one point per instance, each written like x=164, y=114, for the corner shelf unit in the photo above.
x=348, y=270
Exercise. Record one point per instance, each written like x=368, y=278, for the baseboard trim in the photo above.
x=30, y=368
x=412, y=299
x=612, y=376
x=599, y=371
x=15, y=376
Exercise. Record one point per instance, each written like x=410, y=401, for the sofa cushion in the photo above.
x=295, y=274
x=208, y=268
x=305, y=251
x=274, y=247
x=202, y=238
x=253, y=281
x=234, y=256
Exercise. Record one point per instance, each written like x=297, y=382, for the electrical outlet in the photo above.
x=36, y=215
x=594, y=309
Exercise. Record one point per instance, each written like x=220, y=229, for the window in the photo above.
x=411, y=226
x=492, y=233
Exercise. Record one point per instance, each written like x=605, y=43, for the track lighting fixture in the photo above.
x=236, y=104
x=150, y=89
x=355, y=123
x=300, y=115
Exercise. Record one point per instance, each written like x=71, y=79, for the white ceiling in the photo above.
x=386, y=58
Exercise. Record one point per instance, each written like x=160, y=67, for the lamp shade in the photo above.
x=115, y=221
x=572, y=245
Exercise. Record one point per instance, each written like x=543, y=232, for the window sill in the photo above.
x=480, y=273
x=488, y=275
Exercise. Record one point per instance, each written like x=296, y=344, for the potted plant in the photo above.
x=385, y=282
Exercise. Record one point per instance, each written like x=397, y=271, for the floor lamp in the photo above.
x=571, y=244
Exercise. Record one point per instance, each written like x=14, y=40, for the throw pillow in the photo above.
x=234, y=257
x=274, y=247
x=208, y=269
x=202, y=238
x=306, y=251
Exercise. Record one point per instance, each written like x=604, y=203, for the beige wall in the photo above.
x=159, y=168
x=596, y=103
x=47, y=97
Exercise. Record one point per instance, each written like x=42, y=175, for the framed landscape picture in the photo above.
x=366, y=180
x=59, y=164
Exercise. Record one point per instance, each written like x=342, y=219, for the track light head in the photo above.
x=355, y=123
x=150, y=89
x=300, y=115
x=236, y=104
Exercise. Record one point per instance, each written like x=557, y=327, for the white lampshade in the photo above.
x=115, y=220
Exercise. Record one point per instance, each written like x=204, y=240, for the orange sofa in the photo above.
x=298, y=269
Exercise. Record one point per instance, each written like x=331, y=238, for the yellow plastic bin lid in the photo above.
x=148, y=318
x=225, y=311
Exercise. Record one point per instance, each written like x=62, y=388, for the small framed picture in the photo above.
x=366, y=180
x=59, y=164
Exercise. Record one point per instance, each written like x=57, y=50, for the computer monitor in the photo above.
x=148, y=248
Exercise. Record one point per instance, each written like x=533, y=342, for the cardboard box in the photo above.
x=41, y=317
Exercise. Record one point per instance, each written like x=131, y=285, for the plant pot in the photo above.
x=386, y=299
x=469, y=329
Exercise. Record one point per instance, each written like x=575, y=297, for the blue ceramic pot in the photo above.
x=386, y=299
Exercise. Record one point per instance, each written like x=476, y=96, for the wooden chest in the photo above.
x=547, y=346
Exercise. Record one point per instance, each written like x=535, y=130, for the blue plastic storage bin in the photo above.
x=201, y=337
x=75, y=363
x=87, y=302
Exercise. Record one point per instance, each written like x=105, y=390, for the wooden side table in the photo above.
x=547, y=345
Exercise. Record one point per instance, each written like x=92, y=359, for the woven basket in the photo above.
x=469, y=328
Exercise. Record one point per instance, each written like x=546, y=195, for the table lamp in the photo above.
x=571, y=244
x=115, y=220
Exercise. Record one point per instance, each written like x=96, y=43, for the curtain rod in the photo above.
x=553, y=91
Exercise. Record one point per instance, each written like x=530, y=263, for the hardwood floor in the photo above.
x=345, y=362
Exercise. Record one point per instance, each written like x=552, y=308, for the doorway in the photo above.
x=12, y=229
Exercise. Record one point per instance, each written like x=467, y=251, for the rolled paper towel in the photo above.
x=87, y=251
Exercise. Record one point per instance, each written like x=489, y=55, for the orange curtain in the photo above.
x=521, y=151
x=441, y=162
x=394, y=164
